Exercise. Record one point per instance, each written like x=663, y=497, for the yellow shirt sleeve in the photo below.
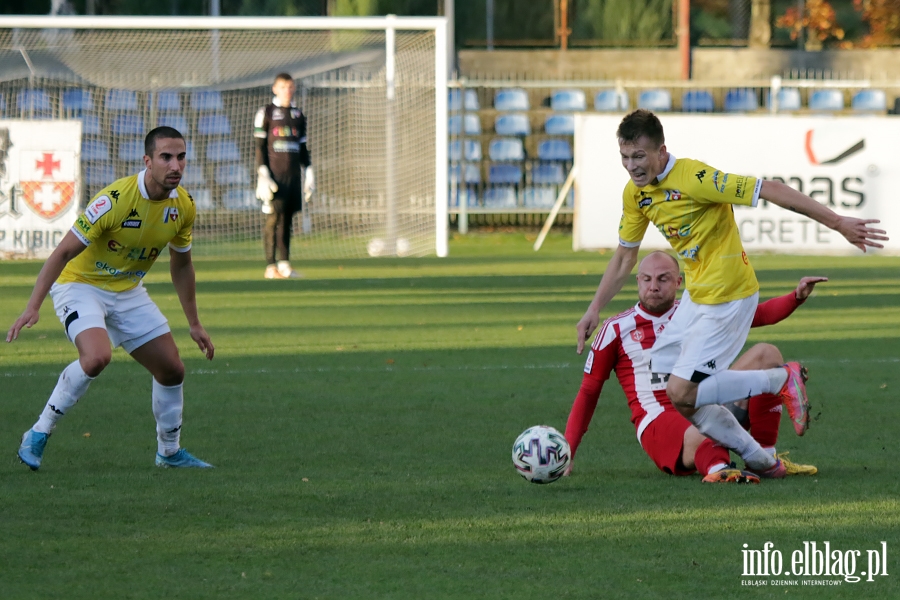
x=633, y=224
x=713, y=185
x=183, y=239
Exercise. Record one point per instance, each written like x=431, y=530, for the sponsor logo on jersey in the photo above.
x=132, y=223
x=83, y=224
x=113, y=246
x=690, y=253
x=170, y=214
x=98, y=208
x=720, y=185
x=105, y=267
x=645, y=201
x=700, y=175
x=589, y=363
x=143, y=253
x=295, y=113
x=670, y=231
x=277, y=114
x=285, y=146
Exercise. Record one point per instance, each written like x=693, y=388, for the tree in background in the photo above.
x=818, y=20
x=883, y=19
x=641, y=22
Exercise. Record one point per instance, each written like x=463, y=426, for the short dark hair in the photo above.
x=283, y=77
x=160, y=133
x=640, y=123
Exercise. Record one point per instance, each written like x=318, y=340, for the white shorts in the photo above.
x=131, y=319
x=702, y=339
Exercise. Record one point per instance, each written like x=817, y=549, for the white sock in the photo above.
x=168, y=404
x=777, y=378
x=718, y=424
x=717, y=468
x=72, y=384
x=729, y=386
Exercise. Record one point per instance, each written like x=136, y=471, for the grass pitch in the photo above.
x=361, y=421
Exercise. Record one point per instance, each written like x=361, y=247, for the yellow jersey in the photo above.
x=691, y=206
x=125, y=232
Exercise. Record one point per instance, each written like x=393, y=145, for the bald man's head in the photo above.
x=658, y=281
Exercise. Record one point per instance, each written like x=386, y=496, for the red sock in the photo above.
x=710, y=454
x=765, y=417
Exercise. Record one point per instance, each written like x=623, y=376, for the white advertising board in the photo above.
x=849, y=164
x=40, y=185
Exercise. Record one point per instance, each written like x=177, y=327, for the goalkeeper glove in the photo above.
x=265, y=186
x=309, y=183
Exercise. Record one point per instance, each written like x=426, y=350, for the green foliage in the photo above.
x=642, y=21
x=361, y=421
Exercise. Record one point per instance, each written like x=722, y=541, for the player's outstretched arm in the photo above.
x=183, y=278
x=806, y=285
x=68, y=248
x=618, y=270
x=856, y=231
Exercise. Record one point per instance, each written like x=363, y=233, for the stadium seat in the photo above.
x=202, y=198
x=559, y=124
x=511, y=99
x=175, y=121
x=240, y=199
x=472, y=150
x=869, y=101
x=77, y=101
x=567, y=100
x=611, y=100
x=788, y=99
x=454, y=104
x=472, y=174
x=500, y=197
x=505, y=174
x=539, y=197
x=697, y=101
x=554, y=150
x=470, y=196
x=232, y=174
x=506, y=149
x=98, y=176
x=2, y=105
x=548, y=174
x=213, y=124
x=94, y=150
x=168, y=101
x=121, y=100
x=34, y=104
x=205, y=101
x=222, y=151
x=189, y=151
x=741, y=100
x=826, y=100
x=131, y=150
x=656, y=100
x=512, y=124
x=90, y=125
x=193, y=176
x=472, y=125
x=127, y=125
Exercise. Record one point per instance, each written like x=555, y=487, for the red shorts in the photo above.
x=663, y=440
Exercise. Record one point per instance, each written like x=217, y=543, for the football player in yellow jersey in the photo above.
x=94, y=277
x=689, y=202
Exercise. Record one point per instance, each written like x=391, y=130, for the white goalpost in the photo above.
x=85, y=90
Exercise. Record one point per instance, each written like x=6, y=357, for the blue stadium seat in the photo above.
x=222, y=151
x=554, y=150
x=121, y=100
x=539, y=197
x=656, y=100
x=611, y=101
x=826, y=100
x=741, y=100
x=788, y=99
x=240, y=199
x=500, y=197
x=2, y=105
x=471, y=176
x=76, y=101
x=455, y=125
x=558, y=124
x=127, y=125
x=511, y=99
x=213, y=124
x=454, y=104
x=204, y=101
x=232, y=174
x=189, y=150
x=548, y=174
x=98, y=176
x=697, y=101
x=506, y=149
x=472, y=150
x=94, y=150
x=34, y=104
x=868, y=101
x=202, y=198
x=131, y=150
x=173, y=120
x=567, y=100
x=504, y=174
x=469, y=196
x=512, y=124
x=193, y=176
x=90, y=125
x=168, y=101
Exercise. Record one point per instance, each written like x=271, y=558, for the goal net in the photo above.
x=373, y=91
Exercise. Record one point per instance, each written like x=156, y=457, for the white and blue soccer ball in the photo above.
x=541, y=454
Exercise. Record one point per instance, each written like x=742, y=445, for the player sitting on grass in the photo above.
x=675, y=446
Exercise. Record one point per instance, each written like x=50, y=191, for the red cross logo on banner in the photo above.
x=47, y=165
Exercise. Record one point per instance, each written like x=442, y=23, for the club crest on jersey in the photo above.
x=637, y=335
x=98, y=208
x=277, y=114
x=673, y=195
x=295, y=113
x=170, y=214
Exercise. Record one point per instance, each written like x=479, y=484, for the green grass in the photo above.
x=361, y=421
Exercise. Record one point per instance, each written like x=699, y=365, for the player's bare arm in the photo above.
x=181, y=267
x=68, y=248
x=806, y=285
x=617, y=272
x=856, y=231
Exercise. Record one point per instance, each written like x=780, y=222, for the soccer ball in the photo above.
x=541, y=454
